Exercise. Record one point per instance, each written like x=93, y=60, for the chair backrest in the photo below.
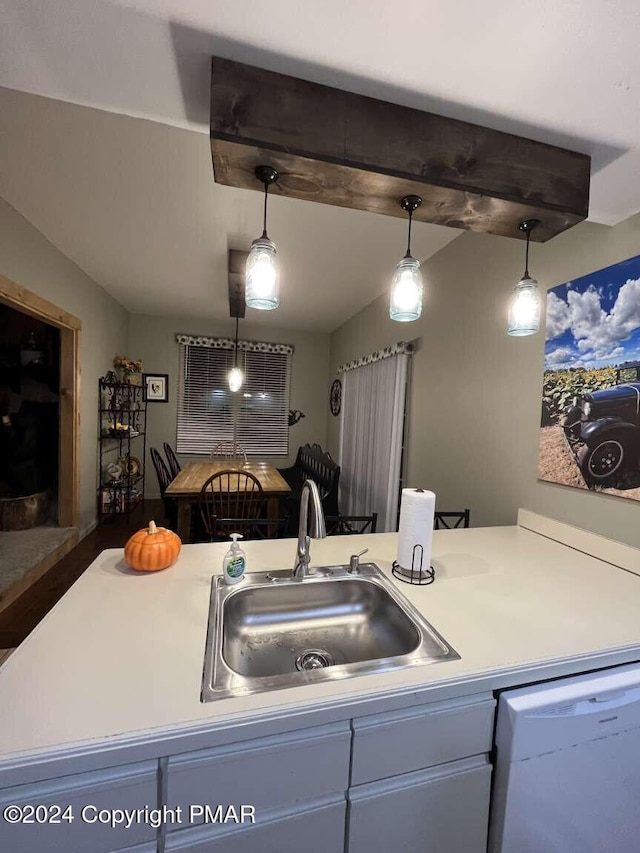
x=341, y=525
x=230, y=494
x=229, y=450
x=317, y=465
x=250, y=528
x=451, y=520
x=174, y=466
x=162, y=472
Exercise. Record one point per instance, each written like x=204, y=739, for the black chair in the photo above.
x=174, y=466
x=346, y=525
x=451, y=520
x=233, y=495
x=250, y=528
x=164, y=478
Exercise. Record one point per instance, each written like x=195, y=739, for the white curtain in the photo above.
x=371, y=452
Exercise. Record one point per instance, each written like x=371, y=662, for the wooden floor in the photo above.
x=21, y=617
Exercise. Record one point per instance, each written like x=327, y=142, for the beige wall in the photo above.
x=476, y=393
x=152, y=339
x=29, y=259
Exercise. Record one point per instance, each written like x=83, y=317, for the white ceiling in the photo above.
x=565, y=73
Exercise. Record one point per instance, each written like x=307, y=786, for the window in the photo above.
x=256, y=415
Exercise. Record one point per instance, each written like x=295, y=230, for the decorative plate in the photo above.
x=335, y=397
x=131, y=465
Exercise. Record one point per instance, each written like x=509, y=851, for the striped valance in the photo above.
x=402, y=347
x=229, y=343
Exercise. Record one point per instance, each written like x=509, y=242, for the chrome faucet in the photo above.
x=309, y=527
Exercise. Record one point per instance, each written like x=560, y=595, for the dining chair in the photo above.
x=451, y=520
x=229, y=450
x=230, y=494
x=341, y=525
x=164, y=478
x=174, y=466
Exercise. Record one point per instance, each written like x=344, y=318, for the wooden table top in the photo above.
x=194, y=475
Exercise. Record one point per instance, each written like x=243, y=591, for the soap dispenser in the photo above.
x=235, y=561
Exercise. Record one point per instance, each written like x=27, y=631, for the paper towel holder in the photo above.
x=416, y=575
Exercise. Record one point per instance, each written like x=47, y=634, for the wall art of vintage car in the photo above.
x=602, y=429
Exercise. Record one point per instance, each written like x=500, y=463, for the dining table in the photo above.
x=186, y=487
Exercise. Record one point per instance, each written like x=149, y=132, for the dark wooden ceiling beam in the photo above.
x=345, y=149
x=237, y=262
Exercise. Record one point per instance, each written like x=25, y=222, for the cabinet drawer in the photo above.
x=132, y=786
x=441, y=810
x=402, y=741
x=266, y=773
x=315, y=830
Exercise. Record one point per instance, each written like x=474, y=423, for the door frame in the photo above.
x=16, y=296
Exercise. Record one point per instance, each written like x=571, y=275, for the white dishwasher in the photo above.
x=567, y=767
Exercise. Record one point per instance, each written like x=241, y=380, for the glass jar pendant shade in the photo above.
x=405, y=302
x=524, y=307
x=262, y=285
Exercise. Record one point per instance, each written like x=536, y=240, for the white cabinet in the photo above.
x=402, y=741
x=420, y=778
x=266, y=773
x=132, y=786
x=316, y=829
x=441, y=810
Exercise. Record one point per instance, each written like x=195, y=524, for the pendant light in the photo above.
x=524, y=308
x=406, y=286
x=262, y=286
x=235, y=377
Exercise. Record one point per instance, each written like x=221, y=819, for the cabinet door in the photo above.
x=398, y=742
x=316, y=830
x=441, y=810
x=133, y=786
x=266, y=773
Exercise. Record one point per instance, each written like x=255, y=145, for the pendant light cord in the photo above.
x=266, y=196
x=526, y=256
x=235, y=354
x=408, y=255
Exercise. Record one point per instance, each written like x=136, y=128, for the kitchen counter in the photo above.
x=120, y=657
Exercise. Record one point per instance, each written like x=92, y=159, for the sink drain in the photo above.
x=314, y=659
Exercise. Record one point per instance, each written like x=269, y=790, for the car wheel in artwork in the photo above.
x=602, y=462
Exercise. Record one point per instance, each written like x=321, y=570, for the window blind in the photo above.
x=256, y=416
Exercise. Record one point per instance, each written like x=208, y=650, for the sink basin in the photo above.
x=271, y=631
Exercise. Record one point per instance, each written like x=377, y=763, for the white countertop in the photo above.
x=122, y=652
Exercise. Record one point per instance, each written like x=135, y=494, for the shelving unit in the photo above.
x=122, y=437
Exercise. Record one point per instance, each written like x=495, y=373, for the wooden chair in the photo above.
x=164, y=478
x=229, y=450
x=174, y=466
x=230, y=494
x=341, y=525
x=451, y=520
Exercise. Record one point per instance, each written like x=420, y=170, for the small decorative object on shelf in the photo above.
x=122, y=420
x=129, y=372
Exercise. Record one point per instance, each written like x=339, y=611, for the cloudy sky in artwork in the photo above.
x=594, y=321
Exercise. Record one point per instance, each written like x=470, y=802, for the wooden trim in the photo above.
x=13, y=592
x=18, y=297
x=337, y=147
x=24, y=300
x=616, y=553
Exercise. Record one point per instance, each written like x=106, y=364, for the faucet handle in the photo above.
x=354, y=562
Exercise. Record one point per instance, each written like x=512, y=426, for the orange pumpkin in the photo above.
x=152, y=549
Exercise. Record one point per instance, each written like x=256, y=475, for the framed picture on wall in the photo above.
x=155, y=387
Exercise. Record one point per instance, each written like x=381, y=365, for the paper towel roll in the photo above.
x=417, y=507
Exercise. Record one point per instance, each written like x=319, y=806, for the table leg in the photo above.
x=184, y=521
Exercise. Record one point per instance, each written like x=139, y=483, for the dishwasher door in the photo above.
x=567, y=768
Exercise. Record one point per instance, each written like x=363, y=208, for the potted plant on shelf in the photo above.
x=129, y=371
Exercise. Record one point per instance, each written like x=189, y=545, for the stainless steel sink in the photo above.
x=272, y=631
